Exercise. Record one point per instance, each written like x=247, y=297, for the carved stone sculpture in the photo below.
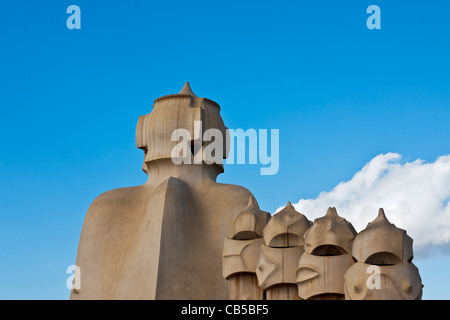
x=399, y=281
x=163, y=239
x=327, y=256
x=322, y=277
x=384, y=270
x=276, y=267
x=248, y=223
x=182, y=235
x=241, y=251
x=286, y=228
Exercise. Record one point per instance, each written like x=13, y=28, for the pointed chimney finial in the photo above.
x=331, y=212
x=187, y=89
x=252, y=202
x=381, y=217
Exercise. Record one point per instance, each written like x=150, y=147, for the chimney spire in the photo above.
x=187, y=89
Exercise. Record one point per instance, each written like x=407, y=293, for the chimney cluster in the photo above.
x=287, y=257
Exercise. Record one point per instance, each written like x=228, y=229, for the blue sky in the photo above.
x=339, y=93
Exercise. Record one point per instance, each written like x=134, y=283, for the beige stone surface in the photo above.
x=330, y=234
x=396, y=282
x=277, y=265
x=240, y=256
x=286, y=228
x=177, y=111
x=241, y=251
x=322, y=275
x=248, y=223
x=286, y=291
x=163, y=239
x=384, y=270
x=327, y=256
x=244, y=286
x=382, y=240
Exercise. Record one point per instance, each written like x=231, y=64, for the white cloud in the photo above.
x=415, y=197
